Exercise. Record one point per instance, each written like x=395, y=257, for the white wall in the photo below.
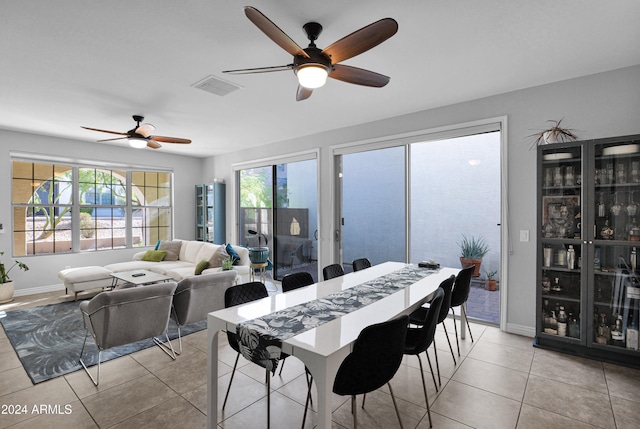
x=602, y=105
x=43, y=271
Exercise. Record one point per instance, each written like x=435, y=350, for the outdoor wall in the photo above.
x=601, y=105
x=43, y=273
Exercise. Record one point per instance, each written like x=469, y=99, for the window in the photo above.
x=63, y=208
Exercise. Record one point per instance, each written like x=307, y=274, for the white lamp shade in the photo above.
x=137, y=143
x=146, y=130
x=312, y=76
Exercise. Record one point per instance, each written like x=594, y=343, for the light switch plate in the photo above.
x=524, y=235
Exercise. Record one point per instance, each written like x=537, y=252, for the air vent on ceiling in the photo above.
x=216, y=86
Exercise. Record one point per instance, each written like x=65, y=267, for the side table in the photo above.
x=262, y=269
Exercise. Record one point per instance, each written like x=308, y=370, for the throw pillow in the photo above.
x=154, y=255
x=201, y=266
x=233, y=254
x=218, y=256
x=172, y=248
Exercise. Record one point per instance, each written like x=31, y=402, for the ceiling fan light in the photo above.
x=145, y=130
x=312, y=76
x=137, y=142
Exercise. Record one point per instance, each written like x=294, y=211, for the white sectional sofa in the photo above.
x=190, y=254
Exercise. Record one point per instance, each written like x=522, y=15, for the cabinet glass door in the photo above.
x=561, y=243
x=616, y=290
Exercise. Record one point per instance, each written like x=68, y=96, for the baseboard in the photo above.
x=527, y=331
x=37, y=290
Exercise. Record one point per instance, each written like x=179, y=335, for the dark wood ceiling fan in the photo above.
x=141, y=135
x=323, y=63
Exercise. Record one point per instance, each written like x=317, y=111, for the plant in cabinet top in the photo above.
x=4, y=273
x=473, y=248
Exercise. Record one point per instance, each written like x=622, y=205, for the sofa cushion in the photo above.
x=201, y=266
x=206, y=251
x=189, y=251
x=154, y=255
x=233, y=254
x=172, y=248
x=219, y=255
x=119, y=267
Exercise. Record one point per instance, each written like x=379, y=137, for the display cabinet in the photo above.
x=588, y=244
x=210, y=212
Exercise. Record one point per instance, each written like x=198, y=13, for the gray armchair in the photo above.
x=125, y=316
x=197, y=296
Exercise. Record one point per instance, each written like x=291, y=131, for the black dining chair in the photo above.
x=374, y=360
x=418, y=316
x=459, y=296
x=296, y=280
x=241, y=294
x=332, y=271
x=361, y=264
x=420, y=339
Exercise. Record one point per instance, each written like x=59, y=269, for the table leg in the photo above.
x=212, y=379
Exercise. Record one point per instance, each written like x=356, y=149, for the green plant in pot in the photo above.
x=6, y=284
x=260, y=254
x=490, y=283
x=227, y=264
x=472, y=250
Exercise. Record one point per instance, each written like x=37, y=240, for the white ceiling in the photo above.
x=68, y=63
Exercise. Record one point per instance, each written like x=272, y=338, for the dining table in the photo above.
x=382, y=292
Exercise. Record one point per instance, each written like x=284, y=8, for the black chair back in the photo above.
x=419, y=339
x=461, y=287
x=376, y=356
x=447, y=287
x=296, y=280
x=241, y=294
x=332, y=271
x=361, y=264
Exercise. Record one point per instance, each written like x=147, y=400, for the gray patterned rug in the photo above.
x=48, y=340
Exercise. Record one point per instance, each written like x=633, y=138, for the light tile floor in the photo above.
x=500, y=381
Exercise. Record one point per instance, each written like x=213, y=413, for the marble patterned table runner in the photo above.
x=260, y=339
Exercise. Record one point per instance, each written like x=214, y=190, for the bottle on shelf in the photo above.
x=562, y=322
x=546, y=285
x=571, y=257
x=556, y=286
x=604, y=333
x=574, y=326
x=617, y=336
x=633, y=260
x=632, y=333
x=551, y=323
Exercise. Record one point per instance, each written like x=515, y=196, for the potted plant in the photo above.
x=6, y=284
x=490, y=282
x=472, y=250
x=555, y=134
x=227, y=264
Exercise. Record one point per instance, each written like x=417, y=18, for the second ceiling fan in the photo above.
x=313, y=65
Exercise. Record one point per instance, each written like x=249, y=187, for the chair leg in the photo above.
x=464, y=311
x=435, y=352
x=424, y=389
x=96, y=380
x=395, y=405
x=166, y=346
x=306, y=404
x=282, y=366
x=433, y=376
x=354, y=412
x=455, y=326
x=448, y=341
x=233, y=372
x=268, y=401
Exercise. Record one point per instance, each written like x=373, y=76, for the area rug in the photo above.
x=48, y=340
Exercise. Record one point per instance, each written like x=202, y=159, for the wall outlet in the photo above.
x=524, y=235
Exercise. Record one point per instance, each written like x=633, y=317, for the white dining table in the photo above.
x=321, y=349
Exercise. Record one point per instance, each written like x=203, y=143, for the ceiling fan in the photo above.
x=141, y=135
x=312, y=65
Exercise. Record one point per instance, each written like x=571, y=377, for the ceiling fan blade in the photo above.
x=273, y=32
x=164, y=139
x=145, y=130
x=110, y=140
x=153, y=145
x=358, y=76
x=105, y=131
x=260, y=69
x=361, y=40
x=303, y=93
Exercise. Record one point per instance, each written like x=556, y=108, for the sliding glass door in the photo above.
x=280, y=202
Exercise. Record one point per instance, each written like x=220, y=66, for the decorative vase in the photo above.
x=6, y=292
x=258, y=255
x=469, y=262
